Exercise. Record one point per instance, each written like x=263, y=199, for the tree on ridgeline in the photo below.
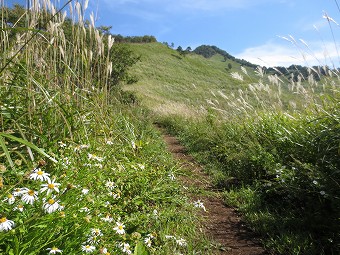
x=208, y=51
x=180, y=50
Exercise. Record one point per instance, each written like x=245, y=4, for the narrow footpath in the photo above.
x=221, y=223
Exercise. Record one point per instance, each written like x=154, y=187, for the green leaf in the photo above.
x=4, y=147
x=140, y=249
x=27, y=143
x=40, y=226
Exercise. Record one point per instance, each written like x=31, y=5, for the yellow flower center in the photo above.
x=40, y=172
x=2, y=220
x=30, y=192
x=9, y=195
x=54, y=249
x=50, y=186
x=120, y=227
x=51, y=201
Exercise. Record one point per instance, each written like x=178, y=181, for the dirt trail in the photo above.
x=221, y=223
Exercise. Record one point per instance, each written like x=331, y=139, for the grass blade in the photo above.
x=8, y=156
x=27, y=143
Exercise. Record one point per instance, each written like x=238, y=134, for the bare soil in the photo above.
x=221, y=223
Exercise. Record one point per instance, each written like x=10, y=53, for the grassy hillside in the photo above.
x=271, y=143
x=191, y=85
x=171, y=83
x=84, y=171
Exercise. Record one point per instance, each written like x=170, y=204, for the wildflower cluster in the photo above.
x=179, y=241
x=41, y=193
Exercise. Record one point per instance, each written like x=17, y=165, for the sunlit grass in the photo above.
x=80, y=171
x=270, y=141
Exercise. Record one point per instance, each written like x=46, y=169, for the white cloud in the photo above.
x=276, y=54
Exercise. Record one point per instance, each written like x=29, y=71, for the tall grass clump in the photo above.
x=274, y=149
x=81, y=168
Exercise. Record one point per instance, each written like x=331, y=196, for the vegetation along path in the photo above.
x=221, y=223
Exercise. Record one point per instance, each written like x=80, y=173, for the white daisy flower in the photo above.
x=10, y=199
x=109, y=142
x=114, y=195
x=88, y=248
x=50, y=186
x=61, y=144
x=40, y=175
x=148, y=241
x=81, y=147
x=29, y=197
x=18, y=192
x=95, y=157
x=84, y=209
x=96, y=232
x=54, y=250
x=5, y=224
x=99, y=165
x=155, y=213
x=93, y=239
x=150, y=235
x=110, y=185
x=119, y=228
x=141, y=166
x=85, y=191
x=126, y=248
x=171, y=176
x=66, y=161
x=19, y=208
x=107, y=218
x=51, y=205
x=181, y=242
x=199, y=204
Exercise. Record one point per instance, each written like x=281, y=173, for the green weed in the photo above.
x=81, y=168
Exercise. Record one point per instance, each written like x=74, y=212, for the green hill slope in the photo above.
x=172, y=83
x=274, y=149
x=188, y=85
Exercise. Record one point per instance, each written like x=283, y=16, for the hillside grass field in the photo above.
x=270, y=142
x=84, y=170
x=167, y=80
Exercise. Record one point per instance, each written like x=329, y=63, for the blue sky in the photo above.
x=254, y=30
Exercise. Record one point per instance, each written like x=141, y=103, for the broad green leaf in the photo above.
x=4, y=147
x=29, y=144
x=140, y=249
